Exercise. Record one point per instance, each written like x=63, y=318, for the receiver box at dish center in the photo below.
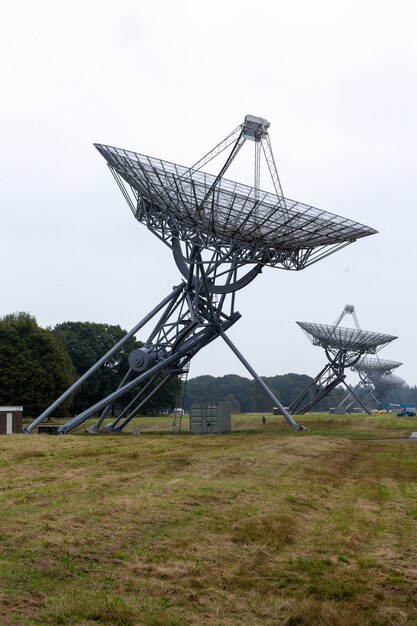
x=210, y=418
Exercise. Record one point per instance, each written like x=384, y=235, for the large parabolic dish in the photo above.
x=222, y=233
x=348, y=339
x=391, y=380
x=214, y=211
x=369, y=365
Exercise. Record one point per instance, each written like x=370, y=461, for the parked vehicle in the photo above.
x=409, y=411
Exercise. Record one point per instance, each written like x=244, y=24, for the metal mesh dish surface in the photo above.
x=391, y=380
x=368, y=364
x=232, y=211
x=341, y=338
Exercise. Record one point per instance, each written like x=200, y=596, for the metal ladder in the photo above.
x=176, y=424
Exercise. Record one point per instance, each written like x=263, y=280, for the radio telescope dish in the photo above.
x=391, y=380
x=371, y=365
x=352, y=340
x=344, y=347
x=266, y=228
x=222, y=234
x=386, y=384
x=370, y=371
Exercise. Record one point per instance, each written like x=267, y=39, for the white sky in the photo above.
x=337, y=81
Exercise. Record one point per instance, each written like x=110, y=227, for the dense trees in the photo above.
x=86, y=343
x=37, y=365
x=246, y=394
x=34, y=367
x=404, y=395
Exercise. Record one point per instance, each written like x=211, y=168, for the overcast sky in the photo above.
x=337, y=81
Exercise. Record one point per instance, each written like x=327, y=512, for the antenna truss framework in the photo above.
x=221, y=234
x=254, y=226
x=370, y=392
x=372, y=366
x=386, y=384
x=344, y=348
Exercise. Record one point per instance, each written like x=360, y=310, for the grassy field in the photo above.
x=260, y=527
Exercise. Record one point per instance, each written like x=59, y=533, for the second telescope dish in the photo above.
x=349, y=339
x=375, y=365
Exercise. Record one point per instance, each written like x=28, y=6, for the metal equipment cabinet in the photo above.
x=210, y=418
x=10, y=419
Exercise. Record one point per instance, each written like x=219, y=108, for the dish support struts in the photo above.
x=222, y=234
x=344, y=347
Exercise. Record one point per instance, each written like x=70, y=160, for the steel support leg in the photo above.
x=106, y=410
x=112, y=397
x=297, y=402
x=188, y=349
x=103, y=359
x=319, y=396
x=132, y=414
x=356, y=398
x=131, y=403
x=261, y=383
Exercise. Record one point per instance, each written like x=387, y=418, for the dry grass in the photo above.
x=261, y=527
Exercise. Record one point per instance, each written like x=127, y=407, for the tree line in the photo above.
x=246, y=396
x=38, y=364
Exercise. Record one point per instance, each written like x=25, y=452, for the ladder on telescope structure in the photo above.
x=179, y=407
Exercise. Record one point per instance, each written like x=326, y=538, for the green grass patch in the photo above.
x=262, y=527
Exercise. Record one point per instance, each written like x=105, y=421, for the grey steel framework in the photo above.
x=386, y=384
x=343, y=347
x=375, y=365
x=371, y=370
x=222, y=234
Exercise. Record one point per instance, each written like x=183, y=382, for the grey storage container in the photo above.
x=210, y=418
